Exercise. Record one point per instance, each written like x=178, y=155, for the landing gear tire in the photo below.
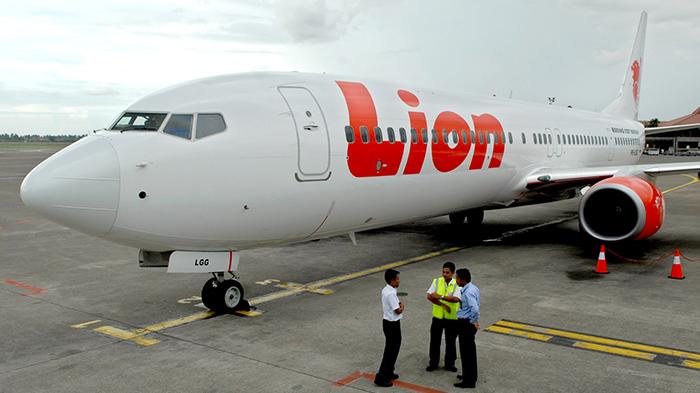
x=209, y=293
x=475, y=217
x=224, y=296
x=457, y=218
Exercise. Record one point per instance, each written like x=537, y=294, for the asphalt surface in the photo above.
x=53, y=279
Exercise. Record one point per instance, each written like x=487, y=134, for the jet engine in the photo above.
x=622, y=208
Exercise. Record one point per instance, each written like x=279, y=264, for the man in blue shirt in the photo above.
x=467, y=325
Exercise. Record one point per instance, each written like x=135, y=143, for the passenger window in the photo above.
x=435, y=136
x=402, y=135
x=424, y=133
x=549, y=138
x=378, y=134
x=364, y=134
x=539, y=138
x=445, y=136
x=349, y=134
x=180, y=126
x=524, y=139
x=390, y=134
x=488, y=137
x=558, y=140
x=414, y=135
x=495, y=138
x=464, y=136
x=455, y=137
x=510, y=138
x=534, y=138
x=481, y=138
x=209, y=124
x=473, y=136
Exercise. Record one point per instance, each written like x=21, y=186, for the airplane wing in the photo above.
x=659, y=130
x=551, y=184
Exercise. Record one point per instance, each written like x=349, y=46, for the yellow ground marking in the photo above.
x=691, y=364
x=175, y=322
x=190, y=300
x=126, y=335
x=295, y=286
x=85, y=324
x=351, y=276
x=695, y=180
x=249, y=313
x=615, y=351
x=512, y=332
x=137, y=335
x=600, y=340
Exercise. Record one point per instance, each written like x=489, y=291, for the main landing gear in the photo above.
x=474, y=217
x=224, y=295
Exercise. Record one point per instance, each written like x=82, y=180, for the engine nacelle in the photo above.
x=622, y=208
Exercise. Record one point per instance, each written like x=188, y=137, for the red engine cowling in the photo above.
x=622, y=208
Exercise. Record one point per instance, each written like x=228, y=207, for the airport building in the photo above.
x=677, y=136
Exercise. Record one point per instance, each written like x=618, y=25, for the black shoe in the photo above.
x=393, y=377
x=464, y=385
x=382, y=383
x=451, y=368
x=431, y=368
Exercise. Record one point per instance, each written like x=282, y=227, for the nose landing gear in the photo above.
x=224, y=295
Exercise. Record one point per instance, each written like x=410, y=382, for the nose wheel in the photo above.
x=224, y=296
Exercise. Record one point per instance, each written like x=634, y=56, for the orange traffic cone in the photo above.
x=602, y=266
x=677, y=269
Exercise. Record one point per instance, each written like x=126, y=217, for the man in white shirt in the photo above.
x=391, y=325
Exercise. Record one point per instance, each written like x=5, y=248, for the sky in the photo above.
x=73, y=66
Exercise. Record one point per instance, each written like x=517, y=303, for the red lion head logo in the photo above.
x=635, y=80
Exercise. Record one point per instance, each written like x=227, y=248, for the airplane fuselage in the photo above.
x=300, y=159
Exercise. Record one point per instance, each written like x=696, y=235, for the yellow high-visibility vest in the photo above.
x=442, y=289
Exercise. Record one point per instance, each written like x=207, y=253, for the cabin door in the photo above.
x=313, y=143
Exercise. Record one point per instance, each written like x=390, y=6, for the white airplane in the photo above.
x=194, y=173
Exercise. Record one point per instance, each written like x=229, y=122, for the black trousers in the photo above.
x=436, y=329
x=467, y=350
x=392, y=335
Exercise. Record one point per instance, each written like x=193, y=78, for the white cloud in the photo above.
x=610, y=57
x=101, y=56
x=319, y=20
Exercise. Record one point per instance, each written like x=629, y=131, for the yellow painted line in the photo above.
x=249, y=313
x=137, y=335
x=318, y=285
x=600, y=340
x=362, y=273
x=615, y=351
x=691, y=364
x=512, y=332
x=176, y=322
x=695, y=180
x=190, y=300
x=85, y=324
x=126, y=335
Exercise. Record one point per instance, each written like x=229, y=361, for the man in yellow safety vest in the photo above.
x=445, y=304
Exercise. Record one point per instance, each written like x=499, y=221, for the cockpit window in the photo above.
x=179, y=125
x=139, y=121
x=209, y=124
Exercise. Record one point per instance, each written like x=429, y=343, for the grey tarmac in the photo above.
x=53, y=278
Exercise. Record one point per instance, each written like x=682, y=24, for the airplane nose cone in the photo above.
x=77, y=187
